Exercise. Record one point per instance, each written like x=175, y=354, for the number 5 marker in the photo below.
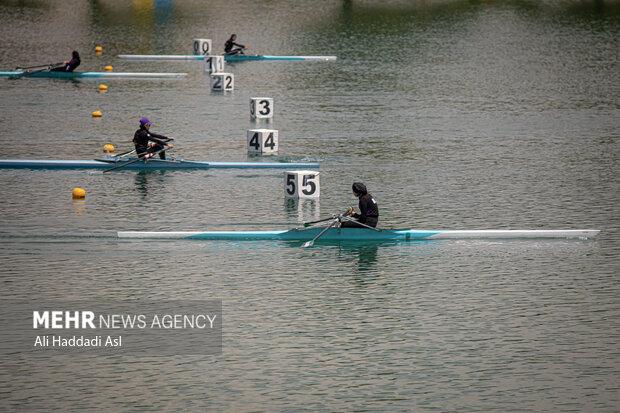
x=302, y=184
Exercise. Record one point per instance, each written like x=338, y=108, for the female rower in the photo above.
x=71, y=65
x=369, y=210
x=230, y=47
x=148, y=143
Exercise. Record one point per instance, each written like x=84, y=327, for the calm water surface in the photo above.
x=456, y=114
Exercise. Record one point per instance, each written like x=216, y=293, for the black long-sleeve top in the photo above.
x=142, y=137
x=69, y=66
x=73, y=64
x=368, y=208
x=229, y=45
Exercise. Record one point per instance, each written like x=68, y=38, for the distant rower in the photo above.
x=147, y=143
x=233, y=48
x=70, y=65
x=369, y=210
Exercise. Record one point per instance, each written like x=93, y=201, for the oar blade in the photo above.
x=311, y=242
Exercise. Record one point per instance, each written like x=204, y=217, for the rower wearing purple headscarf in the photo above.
x=148, y=143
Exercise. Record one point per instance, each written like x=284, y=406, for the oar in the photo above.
x=32, y=72
x=307, y=224
x=45, y=65
x=311, y=242
x=125, y=153
x=247, y=224
x=48, y=68
x=360, y=223
x=135, y=160
x=116, y=155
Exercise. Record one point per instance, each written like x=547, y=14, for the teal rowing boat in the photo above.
x=228, y=58
x=152, y=164
x=358, y=234
x=90, y=75
x=256, y=57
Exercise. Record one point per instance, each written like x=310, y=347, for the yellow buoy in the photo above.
x=98, y=49
x=108, y=68
x=103, y=88
x=109, y=148
x=78, y=193
x=97, y=114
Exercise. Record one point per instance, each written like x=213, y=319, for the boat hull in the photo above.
x=92, y=75
x=228, y=58
x=150, y=165
x=358, y=234
x=249, y=57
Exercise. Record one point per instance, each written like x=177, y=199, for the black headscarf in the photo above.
x=359, y=188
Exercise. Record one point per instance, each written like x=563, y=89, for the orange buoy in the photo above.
x=109, y=148
x=78, y=193
x=103, y=88
x=97, y=114
x=108, y=68
x=98, y=49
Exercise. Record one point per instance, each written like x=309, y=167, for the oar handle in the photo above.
x=307, y=224
x=165, y=148
x=334, y=216
x=346, y=218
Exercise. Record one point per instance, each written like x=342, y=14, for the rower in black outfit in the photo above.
x=230, y=47
x=70, y=65
x=369, y=210
x=147, y=142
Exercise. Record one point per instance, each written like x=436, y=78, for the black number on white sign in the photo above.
x=308, y=182
x=265, y=110
x=269, y=143
x=290, y=184
x=254, y=141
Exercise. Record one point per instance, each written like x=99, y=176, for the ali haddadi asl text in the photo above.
x=78, y=341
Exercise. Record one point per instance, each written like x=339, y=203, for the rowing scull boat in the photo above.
x=152, y=164
x=91, y=75
x=228, y=58
x=359, y=234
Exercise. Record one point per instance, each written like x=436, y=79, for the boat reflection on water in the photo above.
x=142, y=180
x=366, y=256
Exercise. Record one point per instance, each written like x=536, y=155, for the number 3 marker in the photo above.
x=261, y=108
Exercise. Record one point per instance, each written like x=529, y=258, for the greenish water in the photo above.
x=456, y=114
